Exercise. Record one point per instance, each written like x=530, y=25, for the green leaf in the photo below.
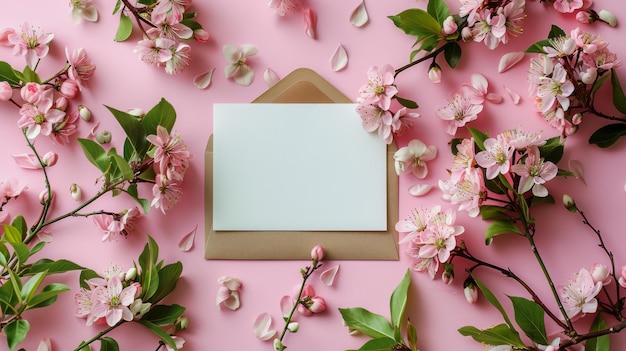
x=493, y=212
x=438, y=9
x=407, y=103
x=419, y=23
x=493, y=300
x=162, y=114
x=37, y=247
x=20, y=224
x=619, y=100
x=452, y=54
x=524, y=208
x=48, y=295
x=8, y=74
x=556, y=32
x=31, y=285
x=399, y=299
x=22, y=252
x=541, y=200
x=168, y=277
x=368, y=323
x=87, y=274
x=163, y=315
x=16, y=332
x=123, y=166
x=500, y=227
x=530, y=317
x=600, y=343
x=12, y=234
x=117, y=7
x=608, y=135
x=52, y=267
x=30, y=75
x=193, y=25
x=132, y=191
x=479, y=137
x=598, y=84
x=165, y=337
x=124, y=29
x=501, y=334
x=411, y=335
x=134, y=129
x=379, y=344
x=149, y=273
x=95, y=154
x=108, y=344
x=537, y=48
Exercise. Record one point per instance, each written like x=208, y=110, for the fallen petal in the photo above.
x=44, y=236
x=359, y=16
x=270, y=77
x=44, y=345
x=494, y=98
x=328, y=276
x=232, y=303
x=509, y=60
x=186, y=243
x=513, y=95
x=90, y=13
x=262, y=325
x=26, y=161
x=203, y=80
x=480, y=83
x=310, y=21
x=286, y=305
x=339, y=60
x=577, y=168
x=420, y=189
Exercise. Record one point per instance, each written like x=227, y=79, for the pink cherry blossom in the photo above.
x=555, y=89
x=237, y=67
x=490, y=28
x=170, y=153
x=534, y=172
x=579, y=295
x=463, y=159
x=458, y=112
x=380, y=87
x=228, y=293
x=31, y=92
x=412, y=158
x=81, y=67
x=166, y=193
x=521, y=139
x=179, y=60
x=31, y=42
x=496, y=158
x=6, y=92
x=62, y=131
x=567, y=6
x=374, y=118
x=468, y=192
x=440, y=237
x=155, y=52
x=113, y=300
x=283, y=7
x=415, y=223
x=39, y=118
x=11, y=188
x=168, y=23
x=111, y=227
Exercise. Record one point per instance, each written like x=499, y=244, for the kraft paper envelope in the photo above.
x=302, y=86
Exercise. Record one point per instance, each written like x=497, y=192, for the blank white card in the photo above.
x=297, y=167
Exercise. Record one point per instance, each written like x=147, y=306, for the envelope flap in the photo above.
x=302, y=86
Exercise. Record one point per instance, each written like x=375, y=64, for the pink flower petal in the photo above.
x=186, y=243
x=577, y=168
x=480, y=83
x=270, y=77
x=310, y=21
x=26, y=161
x=513, y=95
x=494, y=98
x=232, y=303
x=339, y=60
x=203, y=80
x=509, y=60
x=262, y=327
x=359, y=16
x=328, y=276
x=286, y=305
x=420, y=189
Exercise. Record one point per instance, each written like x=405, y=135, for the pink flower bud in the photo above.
x=622, y=279
x=84, y=113
x=138, y=287
x=449, y=26
x=447, y=277
x=31, y=92
x=318, y=304
x=600, y=273
x=61, y=103
x=434, y=73
x=6, y=93
x=466, y=34
x=4, y=36
x=577, y=119
x=68, y=88
x=43, y=196
x=471, y=292
x=584, y=17
x=303, y=310
x=50, y=158
x=317, y=253
x=201, y=35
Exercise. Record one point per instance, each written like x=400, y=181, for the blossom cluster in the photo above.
x=9, y=189
x=374, y=104
x=492, y=24
x=564, y=76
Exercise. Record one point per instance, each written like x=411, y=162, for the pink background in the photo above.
x=438, y=310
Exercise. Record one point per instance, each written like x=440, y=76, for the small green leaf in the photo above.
x=556, y=32
x=31, y=285
x=30, y=76
x=134, y=129
x=552, y=150
x=117, y=7
x=501, y=334
x=452, y=54
x=163, y=315
x=368, y=323
x=16, y=332
x=132, y=191
x=162, y=114
x=537, y=48
x=493, y=212
x=8, y=74
x=123, y=166
x=619, y=100
x=108, y=344
x=149, y=273
x=379, y=344
x=541, y=200
x=438, y=9
x=399, y=299
x=22, y=252
x=493, y=300
x=479, y=137
x=411, y=336
x=407, y=103
x=87, y=274
x=600, y=343
x=52, y=267
x=500, y=227
x=168, y=277
x=193, y=25
x=165, y=337
x=530, y=317
x=48, y=295
x=95, y=154
x=124, y=29
x=598, y=84
x=608, y=135
x=421, y=24
x=524, y=208
x=20, y=224
x=12, y=234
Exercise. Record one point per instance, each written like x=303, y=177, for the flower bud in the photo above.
x=68, y=88
x=317, y=253
x=75, y=192
x=447, y=277
x=589, y=76
x=577, y=118
x=139, y=308
x=622, y=279
x=103, y=137
x=293, y=327
x=138, y=290
x=470, y=290
x=449, y=26
x=201, y=35
x=31, y=92
x=182, y=323
x=569, y=203
x=50, y=159
x=466, y=34
x=600, y=273
x=43, y=196
x=584, y=17
x=608, y=17
x=278, y=345
x=61, y=103
x=130, y=274
x=84, y=113
x=6, y=92
x=318, y=304
x=434, y=73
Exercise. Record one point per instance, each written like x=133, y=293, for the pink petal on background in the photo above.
x=270, y=77
x=339, y=60
x=359, y=16
x=203, y=80
x=420, y=189
x=186, y=243
x=310, y=22
x=262, y=327
x=44, y=236
x=509, y=60
x=479, y=82
x=26, y=161
x=328, y=276
x=513, y=95
x=286, y=305
x=577, y=168
x=44, y=345
x=494, y=98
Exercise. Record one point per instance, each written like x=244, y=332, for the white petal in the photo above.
x=339, y=60
x=90, y=13
x=203, y=80
x=44, y=345
x=232, y=303
x=245, y=76
x=248, y=50
x=509, y=60
x=359, y=16
x=480, y=82
x=186, y=243
x=262, y=325
x=232, y=53
x=270, y=77
x=286, y=305
x=577, y=168
x=513, y=95
x=328, y=276
x=420, y=189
